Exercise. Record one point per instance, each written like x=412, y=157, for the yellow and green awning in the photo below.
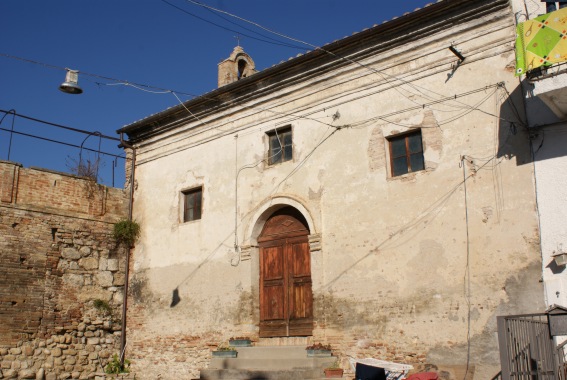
x=541, y=41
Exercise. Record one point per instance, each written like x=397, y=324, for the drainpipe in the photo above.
x=125, y=298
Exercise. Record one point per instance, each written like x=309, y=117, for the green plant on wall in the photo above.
x=114, y=367
x=102, y=306
x=126, y=231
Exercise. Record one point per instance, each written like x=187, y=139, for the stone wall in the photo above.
x=61, y=291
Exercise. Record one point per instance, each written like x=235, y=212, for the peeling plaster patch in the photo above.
x=521, y=298
x=432, y=132
x=475, y=314
x=345, y=313
x=376, y=150
x=432, y=254
x=315, y=195
x=430, y=165
x=243, y=311
x=138, y=288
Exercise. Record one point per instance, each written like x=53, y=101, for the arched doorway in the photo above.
x=286, y=296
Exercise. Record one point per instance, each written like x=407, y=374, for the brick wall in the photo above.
x=59, y=264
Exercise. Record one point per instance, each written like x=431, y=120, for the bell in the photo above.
x=71, y=85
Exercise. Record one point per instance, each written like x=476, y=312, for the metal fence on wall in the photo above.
x=527, y=350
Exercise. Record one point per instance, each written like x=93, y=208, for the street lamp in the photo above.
x=71, y=84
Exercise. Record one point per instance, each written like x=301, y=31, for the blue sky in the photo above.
x=149, y=42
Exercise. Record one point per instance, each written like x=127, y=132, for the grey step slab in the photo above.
x=263, y=352
x=281, y=363
x=233, y=374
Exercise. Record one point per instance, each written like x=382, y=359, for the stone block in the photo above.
x=70, y=360
x=118, y=279
x=28, y=350
x=27, y=374
x=3, y=351
x=15, y=351
x=89, y=263
x=64, y=376
x=70, y=254
x=104, y=354
x=93, y=341
x=103, y=263
x=85, y=251
x=75, y=375
x=10, y=374
x=113, y=265
x=105, y=278
x=73, y=279
x=51, y=376
x=56, y=352
x=6, y=364
x=40, y=374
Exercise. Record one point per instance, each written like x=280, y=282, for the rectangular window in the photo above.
x=280, y=146
x=406, y=153
x=192, y=204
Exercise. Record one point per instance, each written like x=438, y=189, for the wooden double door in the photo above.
x=286, y=296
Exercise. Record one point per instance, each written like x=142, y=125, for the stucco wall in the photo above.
x=549, y=149
x=399, y=265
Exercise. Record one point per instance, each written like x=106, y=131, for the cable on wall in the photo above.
x=467, y=276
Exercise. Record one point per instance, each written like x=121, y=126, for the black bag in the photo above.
x=367, y=372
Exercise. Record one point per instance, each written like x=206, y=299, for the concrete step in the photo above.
x=267, y=363
x=272, y=352
x=270, y=363
x=233, y=374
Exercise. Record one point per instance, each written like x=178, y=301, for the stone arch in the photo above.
x=266, y=209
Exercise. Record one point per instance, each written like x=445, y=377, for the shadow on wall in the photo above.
x=522, y=134
x=513, y=136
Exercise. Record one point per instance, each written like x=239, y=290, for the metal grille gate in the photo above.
x=527, y=352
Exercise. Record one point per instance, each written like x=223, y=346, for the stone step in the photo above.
x=281, y=363
x=233, y=374
x=267, y=363
x=272, y=352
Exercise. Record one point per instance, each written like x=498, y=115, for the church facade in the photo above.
x=375, y=194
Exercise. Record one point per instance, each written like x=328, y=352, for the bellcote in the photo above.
x=239, y=65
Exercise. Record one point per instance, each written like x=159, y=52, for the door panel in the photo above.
x=286, y=296
x=273, y=263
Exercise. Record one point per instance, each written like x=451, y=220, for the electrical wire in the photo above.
x=93, y=75
x=381, y=73
x=232, y=30
x=355, y=125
